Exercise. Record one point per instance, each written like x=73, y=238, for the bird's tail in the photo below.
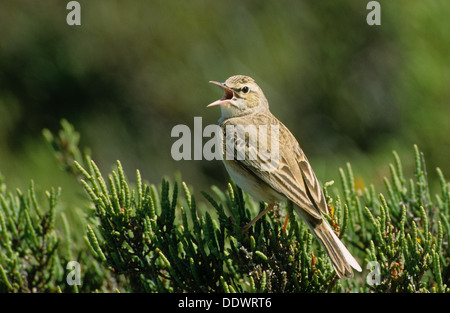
x=341, y=258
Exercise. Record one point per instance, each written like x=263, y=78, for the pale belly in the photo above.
x=259, y=190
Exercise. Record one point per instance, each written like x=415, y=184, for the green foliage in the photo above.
x=66, y=146
x=407, y=235
x=162, y=242
x=140, y=236
x=28, y=241
x=146, y=238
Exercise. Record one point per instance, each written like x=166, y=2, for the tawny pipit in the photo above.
x=274, y=176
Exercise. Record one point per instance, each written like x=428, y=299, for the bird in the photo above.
x=265, y=160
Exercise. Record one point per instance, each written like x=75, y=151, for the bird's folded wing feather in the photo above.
x=291, y=175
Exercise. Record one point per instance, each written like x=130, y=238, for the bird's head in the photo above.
x=241, y=96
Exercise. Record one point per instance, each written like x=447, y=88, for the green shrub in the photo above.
x=147, y=238
x=28, y=242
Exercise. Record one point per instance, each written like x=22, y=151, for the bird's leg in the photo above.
x=286, y=222
x=269, y=207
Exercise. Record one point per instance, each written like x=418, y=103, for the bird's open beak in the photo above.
x=227, y=96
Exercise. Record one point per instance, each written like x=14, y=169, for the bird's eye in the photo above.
x=245, y=89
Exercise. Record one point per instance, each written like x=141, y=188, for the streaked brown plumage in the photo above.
x=272, y=177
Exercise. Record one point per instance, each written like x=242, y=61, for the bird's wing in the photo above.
x=290, y=173
x=311, y=182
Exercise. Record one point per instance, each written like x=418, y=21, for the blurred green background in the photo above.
x=134, y=69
